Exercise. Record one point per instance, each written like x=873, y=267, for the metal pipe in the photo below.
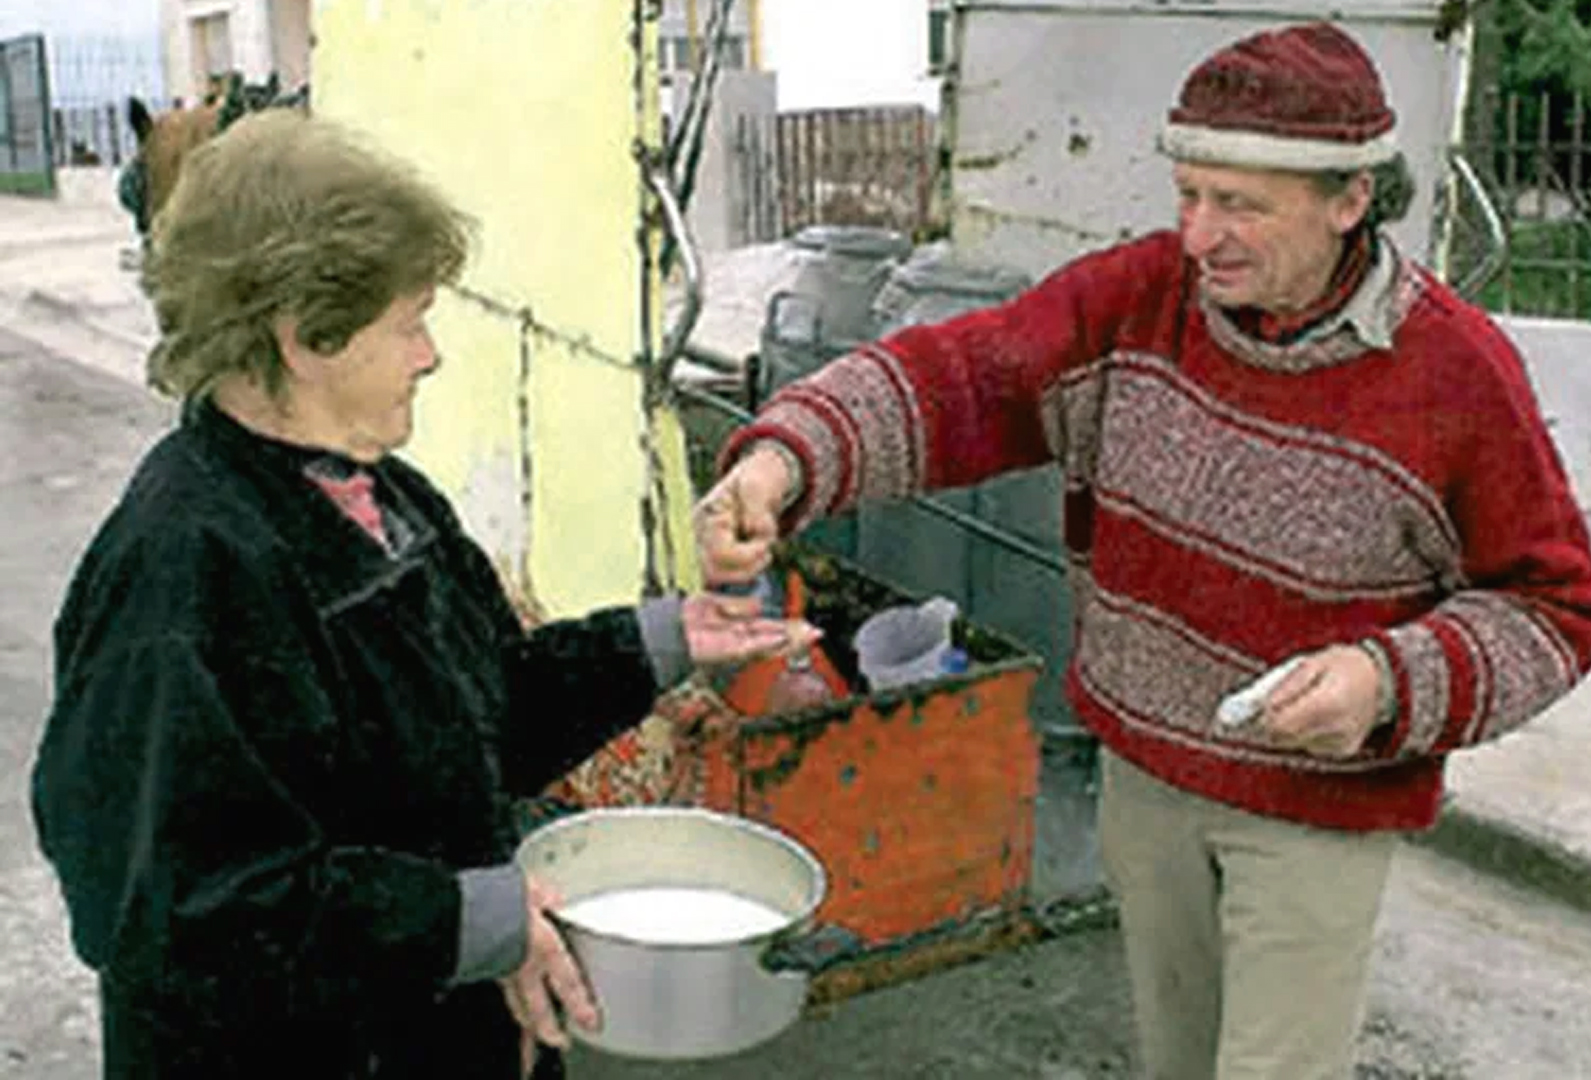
x=1498, y=232
x=754, y=34
x=674, y=343
x=692, y=36
x=722, y=363
x=1462, y=48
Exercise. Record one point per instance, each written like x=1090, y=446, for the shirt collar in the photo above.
x=1370, y=312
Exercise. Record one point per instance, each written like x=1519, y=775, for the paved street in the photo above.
x=1475, y=980
x=68, y=436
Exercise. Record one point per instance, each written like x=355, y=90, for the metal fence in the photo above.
x=860, y=166
x=91, y=77
x=1532, y=156
x=92, y=135
x=88, y=70
x=756, y=203
x=26, y=165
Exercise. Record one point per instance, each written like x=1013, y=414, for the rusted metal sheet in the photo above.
x=961, y=943
x=919, y=802
x=921, y=808
x=914, y=958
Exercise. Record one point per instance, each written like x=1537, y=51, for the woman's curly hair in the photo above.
x=287, y=215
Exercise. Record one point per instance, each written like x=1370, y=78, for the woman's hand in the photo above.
x=722, y=629
x=546, y=980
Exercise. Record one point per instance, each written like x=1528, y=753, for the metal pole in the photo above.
x=754, y=34
x=692, y=49
x=10, y=104
x=1576, y=141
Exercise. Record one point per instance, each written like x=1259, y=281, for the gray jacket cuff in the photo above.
x=663, y=636
x=493, y=924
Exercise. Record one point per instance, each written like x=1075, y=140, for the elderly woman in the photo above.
x=292, y=702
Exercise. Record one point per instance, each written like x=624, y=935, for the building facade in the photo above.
x=683, y=27
x=209, y=38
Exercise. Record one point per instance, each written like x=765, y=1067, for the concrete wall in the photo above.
x=175, y=47
x=674, y=19
x=719, y=201
x=290, y=38
x=674, y=22
x=1557, y=353
x=541, y=445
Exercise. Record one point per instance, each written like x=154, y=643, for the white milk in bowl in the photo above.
x=674, y=916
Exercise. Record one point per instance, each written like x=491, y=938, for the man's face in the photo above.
x=1264, y=239
x=366, y=390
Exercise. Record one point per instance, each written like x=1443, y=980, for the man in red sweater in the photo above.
x=1281, y=439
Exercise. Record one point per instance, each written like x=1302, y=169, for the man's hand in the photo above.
x=737, y=522
x=1327, y=706
x=548, y=978
x=722, y=629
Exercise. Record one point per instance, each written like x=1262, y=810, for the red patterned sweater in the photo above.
x=1231, y=503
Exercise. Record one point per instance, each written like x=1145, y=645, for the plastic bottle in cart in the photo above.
x=799, y=686
x=787, y=683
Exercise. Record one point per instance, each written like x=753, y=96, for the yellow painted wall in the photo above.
x=525, y=111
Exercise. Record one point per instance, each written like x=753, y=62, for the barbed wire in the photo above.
x=656, y=521
x=578, y=343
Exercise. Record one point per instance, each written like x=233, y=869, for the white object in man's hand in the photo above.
x=1244, y=706
x=1324, y=703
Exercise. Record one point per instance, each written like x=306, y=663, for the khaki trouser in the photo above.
x=1248, y=938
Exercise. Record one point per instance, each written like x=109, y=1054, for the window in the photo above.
x=676, y=52
x=938, y=28
x=212, y=45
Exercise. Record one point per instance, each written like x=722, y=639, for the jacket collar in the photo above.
x=340, y=561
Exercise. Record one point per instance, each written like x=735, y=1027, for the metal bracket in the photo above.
x=1477, y=278
x=657, y=179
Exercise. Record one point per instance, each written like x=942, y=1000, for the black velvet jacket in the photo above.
x=271, y=748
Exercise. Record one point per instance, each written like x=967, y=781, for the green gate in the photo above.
x=27, y=165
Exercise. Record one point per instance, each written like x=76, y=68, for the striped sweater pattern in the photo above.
x=1231, y=503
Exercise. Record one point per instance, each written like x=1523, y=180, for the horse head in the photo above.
x=165, y=139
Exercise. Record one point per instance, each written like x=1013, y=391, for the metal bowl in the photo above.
x=672, y=1001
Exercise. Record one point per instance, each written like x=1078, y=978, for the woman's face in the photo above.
x=362, y=396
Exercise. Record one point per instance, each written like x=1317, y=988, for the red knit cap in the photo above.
x=1307, y=98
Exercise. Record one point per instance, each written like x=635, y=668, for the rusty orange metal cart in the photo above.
x=921, y=802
